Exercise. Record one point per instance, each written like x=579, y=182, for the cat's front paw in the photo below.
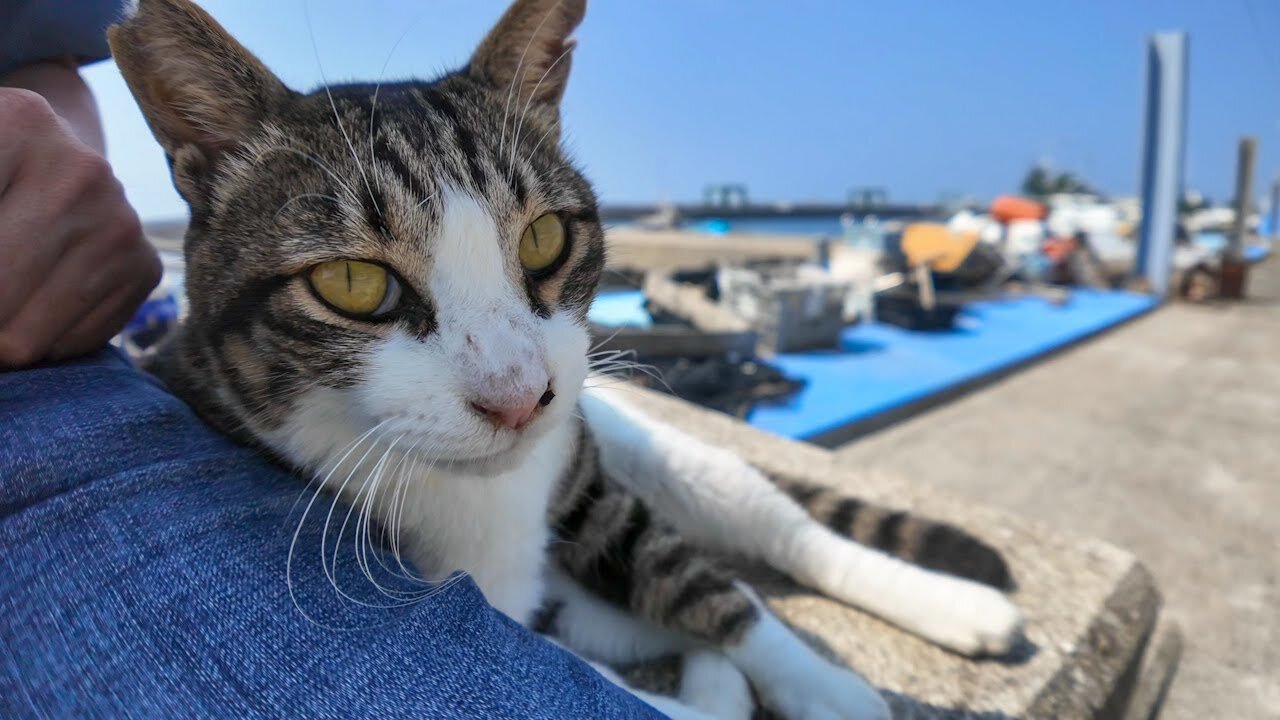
x=822, y=691
x=971, y=619
x=712, y=684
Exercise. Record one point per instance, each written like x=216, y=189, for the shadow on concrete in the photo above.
x=907, y=708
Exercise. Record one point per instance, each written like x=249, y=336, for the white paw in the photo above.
x=711, y=683
x=822, y=691
x=968, y=618
x=797, y=682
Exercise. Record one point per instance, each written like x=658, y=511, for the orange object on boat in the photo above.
x=1007, y=208
x=1059, y=248
x=934, y=245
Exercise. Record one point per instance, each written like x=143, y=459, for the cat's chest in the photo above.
x=494, y=528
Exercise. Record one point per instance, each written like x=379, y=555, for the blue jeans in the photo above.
x=143, y=575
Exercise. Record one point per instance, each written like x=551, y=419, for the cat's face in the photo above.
x=412, y=259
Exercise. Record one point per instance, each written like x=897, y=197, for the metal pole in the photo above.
x=1164, y=140
x=1244, y=193
x=1275, y=211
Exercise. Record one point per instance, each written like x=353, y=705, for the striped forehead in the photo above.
x=469, y=257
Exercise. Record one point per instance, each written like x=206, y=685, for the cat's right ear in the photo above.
x=198, y=87
x=528, y=53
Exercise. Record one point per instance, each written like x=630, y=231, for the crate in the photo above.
x=791, y=308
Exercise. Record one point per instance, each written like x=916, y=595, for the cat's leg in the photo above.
x=608, y=543
x=671, y=707
x=599, y=631
x=718, y=500
x=711, y=682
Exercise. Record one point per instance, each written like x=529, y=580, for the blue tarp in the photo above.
x=617, y=309
x=881, y=367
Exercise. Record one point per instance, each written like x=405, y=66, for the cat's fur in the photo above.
x=591, y=523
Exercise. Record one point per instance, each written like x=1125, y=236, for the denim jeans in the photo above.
x=143, y=575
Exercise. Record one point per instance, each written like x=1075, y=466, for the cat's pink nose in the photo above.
x=514, y=415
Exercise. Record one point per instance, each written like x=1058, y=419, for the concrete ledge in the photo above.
x=1090, y=607
x=1159, y=664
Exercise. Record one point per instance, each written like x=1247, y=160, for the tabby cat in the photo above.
x=382, y=273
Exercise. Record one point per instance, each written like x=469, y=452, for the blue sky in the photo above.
x=806, y=98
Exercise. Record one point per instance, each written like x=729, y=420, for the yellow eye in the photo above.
x=542, y=243
x=355, y=287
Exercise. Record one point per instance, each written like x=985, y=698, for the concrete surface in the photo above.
x=1162, y=437
x=638, y=249
x=1090, y=607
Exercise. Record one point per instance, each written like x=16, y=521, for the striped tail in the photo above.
x=927, y=543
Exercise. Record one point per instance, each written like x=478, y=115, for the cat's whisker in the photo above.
x=399, y=515
x=365, y=546
x=328, y=521
x=611, y=352
x=361, y=545
x=425, y=200
x=297, y=533
x=623, y=369
x=618, y=365
x=373, y=109
x=532, y=94
x=618, y=275
x=622, y=363
x=304, y=196
x=379, y=503
x=519, y=75
x=316, y=476
x=442, y=587
x=619, y=386
x=608, y=368
x=602, y=381
x=352, y=195
x=334, y=499
x=398, y=475
x=337, y=117
x=364, y=490
x=393, y=532
x=610, y=363
x=614, y=366
x=606, y=341
x=545, y=134
x=397, y=520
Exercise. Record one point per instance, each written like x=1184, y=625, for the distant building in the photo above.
x=725, y=195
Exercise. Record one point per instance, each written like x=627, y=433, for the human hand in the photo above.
x=74, y=263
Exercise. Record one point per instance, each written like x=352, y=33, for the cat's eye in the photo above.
x=542, y=243
x=356, y=288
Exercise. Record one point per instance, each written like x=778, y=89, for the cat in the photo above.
x=382, y=274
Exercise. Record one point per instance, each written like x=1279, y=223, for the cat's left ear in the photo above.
x=528, y=53
x=196, y=85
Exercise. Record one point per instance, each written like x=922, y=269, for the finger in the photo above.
x=108, y=318
x=31, y=245
x=84, y=277
x=45, y=208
